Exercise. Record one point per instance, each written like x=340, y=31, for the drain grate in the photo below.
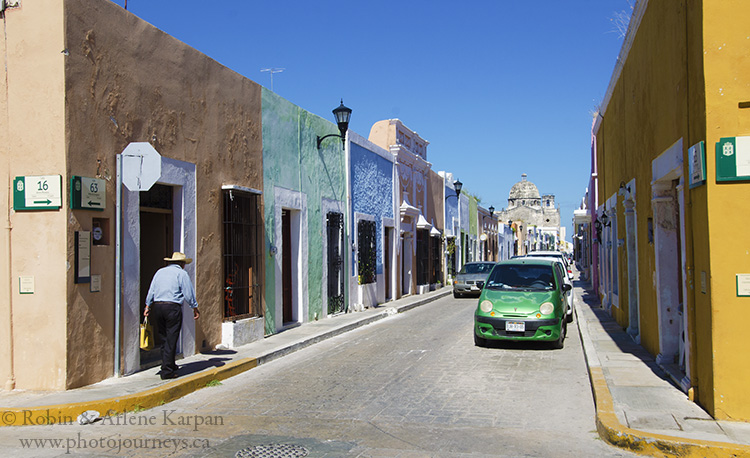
x=273, y=451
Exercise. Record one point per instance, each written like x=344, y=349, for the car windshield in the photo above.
x=522, y=277
x=477, y=268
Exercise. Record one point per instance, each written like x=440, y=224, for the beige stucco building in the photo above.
x=82, y=79
x=419, y=192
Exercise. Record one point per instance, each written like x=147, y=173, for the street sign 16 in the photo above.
x=37, y=192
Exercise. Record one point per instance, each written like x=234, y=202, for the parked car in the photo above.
x=555, y=254
x=523, y=299
x=470, y=278
x=568, y=294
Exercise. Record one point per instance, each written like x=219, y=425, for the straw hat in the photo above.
x=179, y=257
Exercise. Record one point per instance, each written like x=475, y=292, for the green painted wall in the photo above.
x=292, y=161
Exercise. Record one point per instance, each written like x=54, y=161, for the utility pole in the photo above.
x=272, y=71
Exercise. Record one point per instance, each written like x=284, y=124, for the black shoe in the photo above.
x=168, y=376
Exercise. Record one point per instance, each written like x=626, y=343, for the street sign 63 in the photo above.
x=87, y=193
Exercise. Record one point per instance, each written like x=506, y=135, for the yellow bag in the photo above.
x=147, y=335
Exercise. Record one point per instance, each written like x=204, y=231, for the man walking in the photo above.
x=169, y=288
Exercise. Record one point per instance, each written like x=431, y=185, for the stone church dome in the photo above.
x=524, y=190
x=525, y=205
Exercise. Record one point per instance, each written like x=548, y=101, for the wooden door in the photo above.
x=286, y=265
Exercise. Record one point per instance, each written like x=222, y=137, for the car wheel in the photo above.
x=569, y=317
x=456, y=295
x=560, y=342
x=479, y=342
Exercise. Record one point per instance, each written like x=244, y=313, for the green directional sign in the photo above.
x=87, y=193
x=37, y=192
x=697, y=165
x=733, y=159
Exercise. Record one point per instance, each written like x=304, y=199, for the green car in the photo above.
x=523, y=299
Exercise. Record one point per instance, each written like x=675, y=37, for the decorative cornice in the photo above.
x=407, y=210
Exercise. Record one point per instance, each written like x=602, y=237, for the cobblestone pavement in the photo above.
x=412, y=385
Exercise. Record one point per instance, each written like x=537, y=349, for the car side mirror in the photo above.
x=566, y=287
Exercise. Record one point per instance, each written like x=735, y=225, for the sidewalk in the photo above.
x=637, y=407
x=145, y=389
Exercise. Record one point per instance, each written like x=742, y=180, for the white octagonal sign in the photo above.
x=141, y=166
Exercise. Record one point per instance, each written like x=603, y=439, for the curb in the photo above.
x=615, y=433
x=154, y=397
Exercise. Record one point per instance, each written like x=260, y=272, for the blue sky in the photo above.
x=498, y=87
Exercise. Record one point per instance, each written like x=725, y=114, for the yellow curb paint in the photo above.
x=154, y=397
x=611, y=430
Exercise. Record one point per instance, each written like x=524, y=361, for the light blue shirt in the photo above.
x=171, y=284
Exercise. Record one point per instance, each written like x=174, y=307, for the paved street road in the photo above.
x=412, y=385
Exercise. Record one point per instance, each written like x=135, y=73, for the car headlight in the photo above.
x=486, y=306
x=547, y=308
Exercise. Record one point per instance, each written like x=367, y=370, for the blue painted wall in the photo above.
x=372, y=192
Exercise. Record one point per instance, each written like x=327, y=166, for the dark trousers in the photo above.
x=167, y=318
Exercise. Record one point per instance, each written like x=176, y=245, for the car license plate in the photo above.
x=515, y=326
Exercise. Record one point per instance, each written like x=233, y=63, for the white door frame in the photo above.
x=631, y=244
x=667, y=201
x=296, y=202
x=180, y=175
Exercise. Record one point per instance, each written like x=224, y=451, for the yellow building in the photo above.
x=675, y=257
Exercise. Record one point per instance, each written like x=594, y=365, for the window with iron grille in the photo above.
x=366, y=254
x=243, y=232
x=335, y=228
x=435, y=260
x=423, y=256
x=451, y=262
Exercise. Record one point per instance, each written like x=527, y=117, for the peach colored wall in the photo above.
x=6, y=294
x=435, y=202
x=382, y=134
x=34, y=144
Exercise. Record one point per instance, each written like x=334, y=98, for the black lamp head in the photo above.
x=343, y=115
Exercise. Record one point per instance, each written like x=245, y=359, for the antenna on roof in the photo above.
x=272, y=71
